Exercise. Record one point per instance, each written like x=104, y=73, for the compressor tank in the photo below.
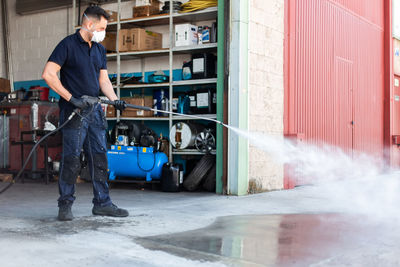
x=135, y=162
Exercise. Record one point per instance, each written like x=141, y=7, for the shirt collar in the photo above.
x=80, y=38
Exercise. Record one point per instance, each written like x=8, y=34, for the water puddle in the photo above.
x=285, y=240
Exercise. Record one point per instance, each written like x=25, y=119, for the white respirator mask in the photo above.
x=98, y=36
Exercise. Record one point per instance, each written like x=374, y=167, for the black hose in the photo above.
x=154, y=162
x=16, y=178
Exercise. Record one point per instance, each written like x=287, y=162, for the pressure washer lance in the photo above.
x=163, y=111
x=93, y=101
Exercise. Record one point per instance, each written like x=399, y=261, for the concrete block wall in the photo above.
x=266, y=89
x=33, y=38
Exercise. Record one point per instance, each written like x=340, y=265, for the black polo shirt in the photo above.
x=80, y=66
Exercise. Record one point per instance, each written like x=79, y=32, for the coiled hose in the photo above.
x=195, y=5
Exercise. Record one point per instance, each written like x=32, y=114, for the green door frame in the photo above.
x=220, y=96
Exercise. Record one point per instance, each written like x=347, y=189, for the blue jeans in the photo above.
x=87, y=132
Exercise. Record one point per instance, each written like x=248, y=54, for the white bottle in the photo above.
x=35, y=116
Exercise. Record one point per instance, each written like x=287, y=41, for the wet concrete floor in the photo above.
x=285, y=240
x=286, y=228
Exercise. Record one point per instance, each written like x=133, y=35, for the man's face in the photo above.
x=97, y=25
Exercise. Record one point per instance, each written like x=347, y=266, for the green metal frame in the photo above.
x=220, y=95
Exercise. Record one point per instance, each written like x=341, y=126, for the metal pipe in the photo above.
x=7, y=44
x=118, y=55
x=73, y=14
x=4, y=142
x=171, y=70
x=164, y=111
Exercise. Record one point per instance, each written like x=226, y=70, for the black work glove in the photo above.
x=120, y=104
x=79, y=102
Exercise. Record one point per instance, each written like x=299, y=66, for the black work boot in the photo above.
x=111, y=210
x=65, y=213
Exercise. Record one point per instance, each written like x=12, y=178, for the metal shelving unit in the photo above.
x=163, y=52
x=206, y=116
x=170, y=20
x=190, y=152
x=174, y=83
x=140, y=118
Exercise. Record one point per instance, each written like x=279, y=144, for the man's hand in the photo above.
x=120, y=104
x=79, y=102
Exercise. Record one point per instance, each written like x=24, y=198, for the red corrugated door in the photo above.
x=334, y=66
x=343, y=101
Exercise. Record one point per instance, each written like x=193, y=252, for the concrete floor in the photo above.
x=285, y=228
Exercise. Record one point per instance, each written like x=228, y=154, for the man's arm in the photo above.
x=50, y=76
x=106, y=86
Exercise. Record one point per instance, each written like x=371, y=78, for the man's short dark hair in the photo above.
x=96, y=12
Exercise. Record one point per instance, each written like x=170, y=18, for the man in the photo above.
x=82, y=63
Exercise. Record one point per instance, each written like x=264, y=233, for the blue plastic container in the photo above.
x=123, y=162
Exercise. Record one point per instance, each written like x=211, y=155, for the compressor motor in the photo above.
x=133, y=134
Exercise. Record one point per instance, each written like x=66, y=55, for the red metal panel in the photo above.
x=20, y=120
x=334, y=56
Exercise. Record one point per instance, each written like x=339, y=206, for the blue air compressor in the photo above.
x=137, y=162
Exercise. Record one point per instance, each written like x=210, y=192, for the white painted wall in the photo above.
x=266, y=88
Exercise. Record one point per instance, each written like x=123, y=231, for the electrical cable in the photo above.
x=195, y=5
x=33, y=150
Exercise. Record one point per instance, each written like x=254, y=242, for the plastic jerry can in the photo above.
x=171, y=177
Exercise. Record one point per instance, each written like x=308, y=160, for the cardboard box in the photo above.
x=110, y=42
x=133, y=40
x=186, y=35
x=110, y=111
x=113, y=15
x=125, y=40
x=144, y=40
x=146, y=101
x=5, y=86
x=145, y=11
x=147, y=3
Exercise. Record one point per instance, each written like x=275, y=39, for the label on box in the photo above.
x=13, y=111
x=198, y=65
x=140, y=113
x=192, y=101
x=202, y=100
x=206, y=36
x=175, y=103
